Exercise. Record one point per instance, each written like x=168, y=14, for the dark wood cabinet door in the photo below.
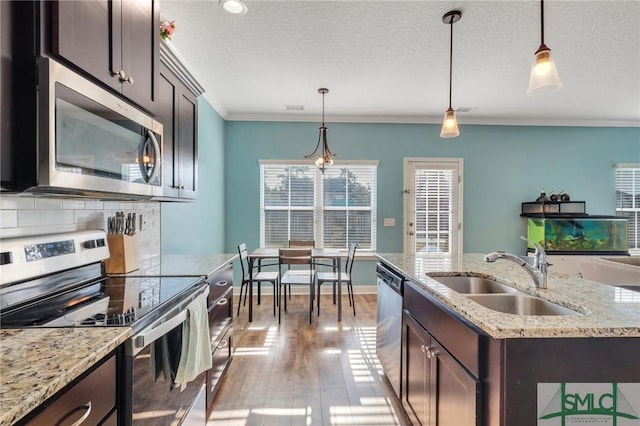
x=187, y=144
x=82, y=33
x=455, y=392
x=140, y=38
x=417, y=370
x=166, y=113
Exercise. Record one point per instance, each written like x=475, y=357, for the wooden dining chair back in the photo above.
x=295, y=268
x=302, y=243
x=252, y=275
x=345, y=277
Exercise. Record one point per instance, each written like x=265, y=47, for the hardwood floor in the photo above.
x=326, y=373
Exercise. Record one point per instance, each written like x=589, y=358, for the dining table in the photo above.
x=264, y=255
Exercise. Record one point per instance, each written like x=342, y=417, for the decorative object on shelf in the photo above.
x=542, y=197
x=235, y=7
x=167, y=28
x=544, y=75
x=326, y=158
x=450, y=123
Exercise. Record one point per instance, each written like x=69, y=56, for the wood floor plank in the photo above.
x=296, y=373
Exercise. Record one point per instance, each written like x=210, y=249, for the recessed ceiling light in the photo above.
x=237, y=7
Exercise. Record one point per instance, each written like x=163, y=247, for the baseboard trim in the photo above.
x=267, y=289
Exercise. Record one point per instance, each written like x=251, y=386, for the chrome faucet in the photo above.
x=536, y=266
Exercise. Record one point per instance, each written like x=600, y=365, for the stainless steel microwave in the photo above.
x=91, y=142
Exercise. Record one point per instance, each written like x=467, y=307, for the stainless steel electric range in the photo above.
x=58, y=280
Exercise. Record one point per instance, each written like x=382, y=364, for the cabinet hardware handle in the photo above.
x=86, y=407
x=222, y=283
x=120, y=74
x=128, y=80
x=222, y=301
x=422, y=349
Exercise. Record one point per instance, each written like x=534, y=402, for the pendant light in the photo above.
x=450, y=123
x=544, y=76
x=326, y=158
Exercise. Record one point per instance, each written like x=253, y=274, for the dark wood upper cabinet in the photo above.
x=177, y=109
x=115, y=41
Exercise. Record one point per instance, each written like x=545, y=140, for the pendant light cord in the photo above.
x=450, y=60
x=541, y=22
x=323, y=110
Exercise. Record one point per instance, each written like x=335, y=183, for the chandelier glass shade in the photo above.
x=322, y=154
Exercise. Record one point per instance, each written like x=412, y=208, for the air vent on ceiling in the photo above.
x=294, y=107
x=466, y=109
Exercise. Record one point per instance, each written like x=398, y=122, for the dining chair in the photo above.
x=258, y=276
x=345, y=277
x=298, y=270
x=300, y=244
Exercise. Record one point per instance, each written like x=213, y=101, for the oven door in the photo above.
x=93, y=141
x=149, y=397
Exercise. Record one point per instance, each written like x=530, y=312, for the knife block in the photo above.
x=125, y=254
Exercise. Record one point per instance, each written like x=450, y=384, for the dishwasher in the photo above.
x=389, y=323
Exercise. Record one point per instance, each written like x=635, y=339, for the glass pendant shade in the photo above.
x=544, y=75
x=449, y=125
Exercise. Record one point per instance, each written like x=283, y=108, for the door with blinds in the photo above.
x=433, y=205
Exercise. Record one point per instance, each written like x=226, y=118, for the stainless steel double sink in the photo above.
x=500, y=297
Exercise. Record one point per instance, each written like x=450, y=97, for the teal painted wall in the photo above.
x=199, y=227
x=503, y=166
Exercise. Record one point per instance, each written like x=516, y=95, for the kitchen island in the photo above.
x=465, y=364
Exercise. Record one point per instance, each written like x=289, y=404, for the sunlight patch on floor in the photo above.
x=229, y=417
x=250, y=351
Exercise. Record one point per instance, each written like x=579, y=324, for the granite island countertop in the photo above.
x=35, y=363
x=606, y=311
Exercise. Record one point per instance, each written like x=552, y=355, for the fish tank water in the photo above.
x=580, y=235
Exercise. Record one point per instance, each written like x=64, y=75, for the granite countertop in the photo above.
x=35, y=363
x=606, y=311
x=195, y=265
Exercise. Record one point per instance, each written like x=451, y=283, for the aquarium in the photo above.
x=580, y=235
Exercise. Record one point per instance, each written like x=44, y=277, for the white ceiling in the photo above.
x=387, y=61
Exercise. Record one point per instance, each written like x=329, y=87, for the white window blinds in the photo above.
x=628, y=201
x=433, y=220
x=298, y=202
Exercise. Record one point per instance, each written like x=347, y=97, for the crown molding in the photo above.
x=175, y=63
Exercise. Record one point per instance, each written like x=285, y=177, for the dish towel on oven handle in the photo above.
x=196, y=346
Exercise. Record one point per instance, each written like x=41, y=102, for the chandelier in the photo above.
x=325, y=157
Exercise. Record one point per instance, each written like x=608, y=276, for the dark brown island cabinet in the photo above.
x=455, y=374
x=114, y=41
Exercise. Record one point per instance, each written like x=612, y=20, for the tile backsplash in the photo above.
x=33, y=215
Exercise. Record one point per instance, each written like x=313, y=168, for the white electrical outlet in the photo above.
x=143, y=223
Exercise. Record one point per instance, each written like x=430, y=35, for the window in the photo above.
x=298, y=202
x=628, y=201
x=433, y=205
